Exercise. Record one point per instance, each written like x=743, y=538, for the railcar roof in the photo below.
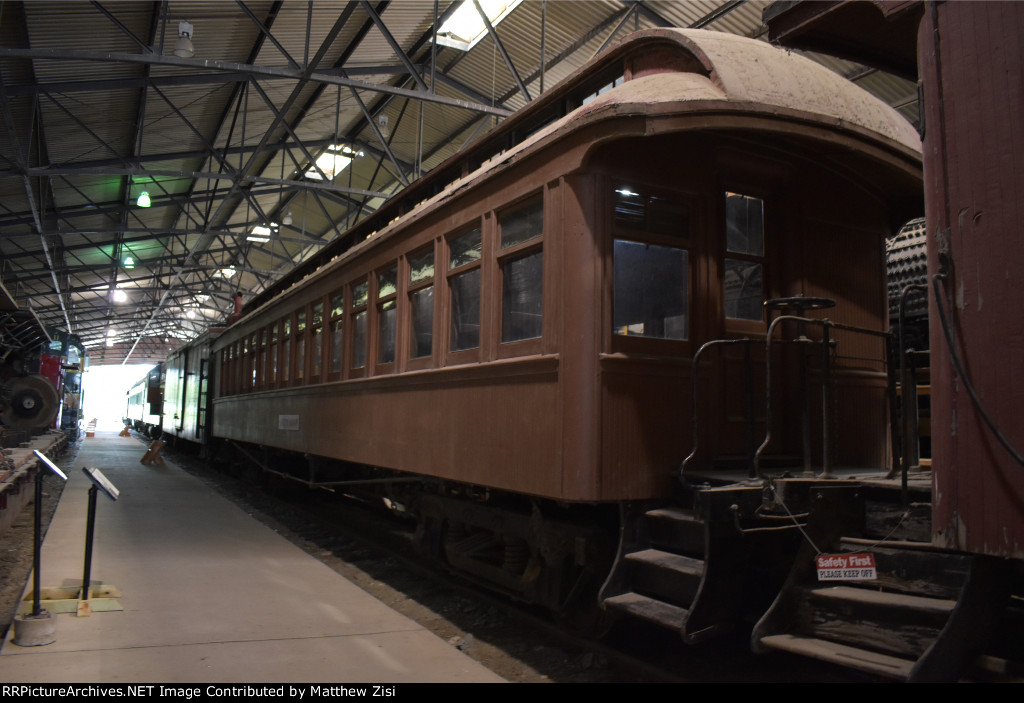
x=729, y=73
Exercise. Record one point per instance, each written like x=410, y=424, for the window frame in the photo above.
x=468, y=354
x=411, y=290
x=502, y=257
x=688, y=242
x=354, y=310
x=336, y=319
x=316, y=359
x=738, y=325
x=380, y=366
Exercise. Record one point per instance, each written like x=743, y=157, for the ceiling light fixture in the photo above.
x=183, y=48
x=287, y=219
x=129, y=262
x=143, y=200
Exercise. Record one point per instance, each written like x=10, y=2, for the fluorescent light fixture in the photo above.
x=465, y=27
x=143, y=200
x=332, y=162
x=260, y=233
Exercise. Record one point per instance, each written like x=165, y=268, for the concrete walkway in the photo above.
x=210, y=595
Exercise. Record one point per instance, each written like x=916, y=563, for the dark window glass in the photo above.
x=360, y=294
x=651, y=290
x=523, y=223
x=465, y=249
x=651, y=214
x=388, y=318
x=387, y=283
x=744, y=297
x=421, y=268
x=465, y=331
x=359, y=340
x=336, y=332
x=744, y=273
x=337, y=304
x=744, y=224
x=422, y=322
x=522, y=297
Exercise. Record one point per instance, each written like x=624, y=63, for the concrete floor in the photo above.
x=209, y=595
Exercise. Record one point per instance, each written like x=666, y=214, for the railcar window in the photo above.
x=650, y=265
x=387, y=287
x=744, y=265
x=360, y=298
x=337, y=327
x=251, y=371
x=273, y=353
x=421, y=303
x=317, y=351
x=286, y=340
x=522, y=298
x=522, y=293
x=464, y=286
x=651, y=214
x=651, y=287
x=603, y=89
x=522, y=224
x=300, y=345
x=263, y=358
x=465, y=249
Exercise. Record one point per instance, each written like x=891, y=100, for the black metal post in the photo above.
x=37, y=546
x=90, y=526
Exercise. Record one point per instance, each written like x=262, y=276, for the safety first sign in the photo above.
x=846, y=567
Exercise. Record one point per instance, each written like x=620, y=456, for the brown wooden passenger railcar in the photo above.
x=530, y=324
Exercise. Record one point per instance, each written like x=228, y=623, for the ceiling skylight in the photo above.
x=465, y=27
x=332, y=162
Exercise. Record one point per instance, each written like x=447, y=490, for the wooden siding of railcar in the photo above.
x=971, y=67
x=493, y=420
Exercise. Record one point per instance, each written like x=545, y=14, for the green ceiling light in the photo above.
x=129, y=262
x=143, y=200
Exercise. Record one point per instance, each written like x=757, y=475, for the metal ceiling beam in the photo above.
x=23, y=161
x=501, y=50
x=163, y=173
x=251, y=71
x=390, y=39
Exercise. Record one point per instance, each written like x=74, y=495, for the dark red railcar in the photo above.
x=546, y=326
x=970, y=63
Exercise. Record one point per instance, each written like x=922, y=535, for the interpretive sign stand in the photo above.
x=99, y=483
x=38, y=627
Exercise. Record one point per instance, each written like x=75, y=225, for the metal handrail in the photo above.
x=746, y=341
x=826, y=326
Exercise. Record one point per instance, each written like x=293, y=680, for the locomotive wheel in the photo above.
x=30, y=402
